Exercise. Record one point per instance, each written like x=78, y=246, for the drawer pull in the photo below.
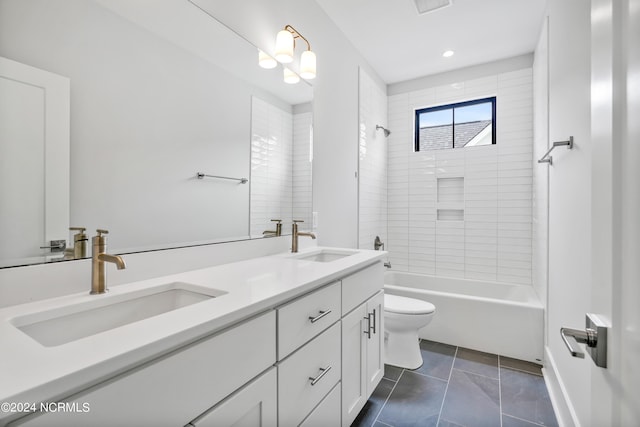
x=373, y=323
x=368, y=331
x=320, y=316
x=323, y=372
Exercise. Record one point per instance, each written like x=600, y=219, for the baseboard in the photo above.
x=565, y=413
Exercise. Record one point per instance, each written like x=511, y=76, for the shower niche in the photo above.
x=450, y=204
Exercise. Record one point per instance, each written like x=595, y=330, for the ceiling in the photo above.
x=402, y=45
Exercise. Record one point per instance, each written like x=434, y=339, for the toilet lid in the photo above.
x=404, y=305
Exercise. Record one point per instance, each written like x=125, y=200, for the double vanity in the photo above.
x=290, y=339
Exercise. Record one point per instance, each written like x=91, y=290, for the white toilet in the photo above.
x=402, y=318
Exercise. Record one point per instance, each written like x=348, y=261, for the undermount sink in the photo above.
x=327, y=255
x=69, y=323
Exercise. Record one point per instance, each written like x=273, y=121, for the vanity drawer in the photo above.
x=319, y=363
x=306, y=317
x=361, y=285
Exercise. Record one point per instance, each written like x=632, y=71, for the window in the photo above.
x=464, y=124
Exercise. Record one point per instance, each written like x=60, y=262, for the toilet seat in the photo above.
x=403, y=305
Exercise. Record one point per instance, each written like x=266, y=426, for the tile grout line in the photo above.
x=479, y=375
x=387, y=399
x=429, y=376
x=523, y=371
x=522, y=419
x=500, y=387
x=453, y=362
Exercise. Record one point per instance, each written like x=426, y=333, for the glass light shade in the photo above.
x=290, y=77
x=284, y=47
x=265, y=61
x=308, y=65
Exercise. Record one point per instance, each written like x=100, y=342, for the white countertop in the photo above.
x=31, y=372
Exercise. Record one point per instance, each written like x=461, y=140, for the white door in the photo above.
x=569, y=205
x=615, y=289
x=594, y=205
x=34, y=159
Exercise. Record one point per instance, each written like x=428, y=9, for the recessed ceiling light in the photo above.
x=425, y=6
x=448, y=53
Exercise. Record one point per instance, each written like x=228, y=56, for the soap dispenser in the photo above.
x=79, y=243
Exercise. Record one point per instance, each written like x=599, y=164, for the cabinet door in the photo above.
x=354, y=357
x=375, y=342
x=254, y=405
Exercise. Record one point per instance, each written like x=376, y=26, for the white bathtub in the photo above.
x=493, y=317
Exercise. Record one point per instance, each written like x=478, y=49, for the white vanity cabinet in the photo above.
x=178, y=387
x=311, y=361
x=362, y=350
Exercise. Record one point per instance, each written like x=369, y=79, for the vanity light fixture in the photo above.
x=285, y=46
x=290, y=77
x=426, y=6
x=266, y=61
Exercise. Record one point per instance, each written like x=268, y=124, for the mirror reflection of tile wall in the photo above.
x=280, y=167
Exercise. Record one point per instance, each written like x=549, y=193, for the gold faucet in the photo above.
x=295, y=233
x=98, y=258
x=79, y=249
x=278, y=230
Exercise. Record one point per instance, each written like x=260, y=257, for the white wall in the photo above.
x=493, y=242
x=540, y=219
x=372, y=146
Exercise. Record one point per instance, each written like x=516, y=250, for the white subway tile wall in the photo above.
x=280, y=166
x=372, y=145
x=302, y=168
x=493, y=241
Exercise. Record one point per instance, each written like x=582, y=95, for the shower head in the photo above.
x=387, y=132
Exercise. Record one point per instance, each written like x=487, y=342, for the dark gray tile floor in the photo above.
x=458, y=387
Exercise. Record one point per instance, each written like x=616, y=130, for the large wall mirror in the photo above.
x=146, y=94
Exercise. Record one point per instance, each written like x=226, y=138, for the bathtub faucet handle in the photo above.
x=378, y=244
x=387, y=264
